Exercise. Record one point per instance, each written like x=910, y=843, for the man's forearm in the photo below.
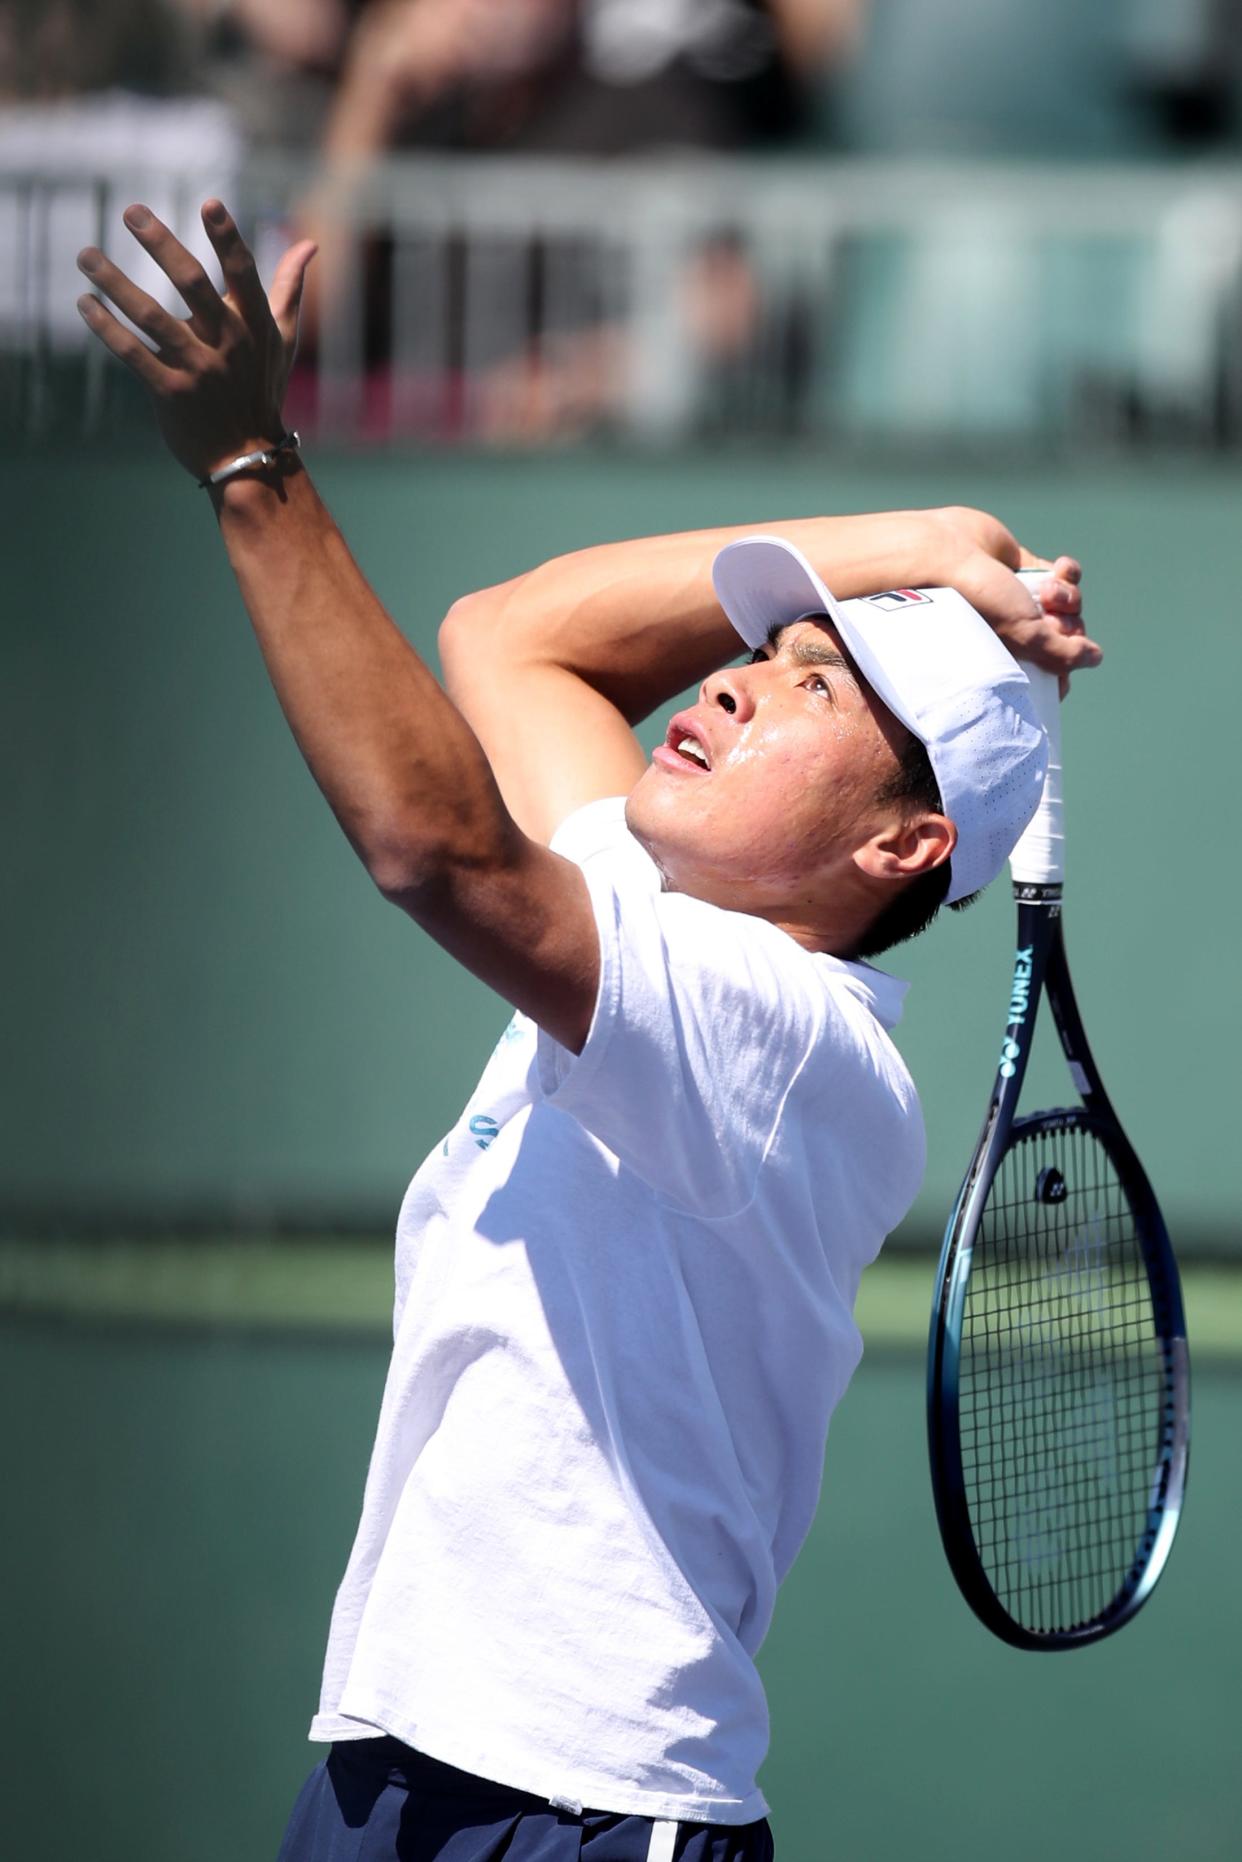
x=639, y=621
x=400, y=767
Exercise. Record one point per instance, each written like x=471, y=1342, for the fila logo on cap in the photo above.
x=897, y=598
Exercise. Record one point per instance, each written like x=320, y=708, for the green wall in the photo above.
x=212, y=1016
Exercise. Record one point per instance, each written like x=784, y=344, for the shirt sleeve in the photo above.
x=703, y=1023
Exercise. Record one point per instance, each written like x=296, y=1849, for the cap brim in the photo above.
x=766, y=582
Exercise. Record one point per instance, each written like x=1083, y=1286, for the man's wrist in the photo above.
x=966, y=533
x=257, y=493
x=262, y=455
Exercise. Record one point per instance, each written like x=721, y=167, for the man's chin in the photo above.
x=636, y=815
x=655, y=805
x=645, y=817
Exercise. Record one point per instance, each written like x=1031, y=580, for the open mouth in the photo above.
x=691, y=747
x=686, y=745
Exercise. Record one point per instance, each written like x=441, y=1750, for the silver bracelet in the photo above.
x=253, y=462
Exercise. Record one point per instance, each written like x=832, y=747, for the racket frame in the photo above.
x=1040, y=969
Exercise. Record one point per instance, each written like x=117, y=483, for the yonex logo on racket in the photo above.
x=1019, y=1005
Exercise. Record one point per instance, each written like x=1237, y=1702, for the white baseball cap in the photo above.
x=938, y=666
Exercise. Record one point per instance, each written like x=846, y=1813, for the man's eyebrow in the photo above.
x=806, y=652
x=810, y=650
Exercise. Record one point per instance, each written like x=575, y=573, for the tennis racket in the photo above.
x=1058, y=1376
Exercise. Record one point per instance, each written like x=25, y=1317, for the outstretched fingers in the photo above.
x=181, y=268
x=169, y=332
x=125, y=346
x=218, y=378
x=241, y=274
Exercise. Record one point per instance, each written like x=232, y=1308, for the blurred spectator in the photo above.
x=276, y=63
x=305, y=35
x=447, y=73
x=510, y=328
x=92, y=94
x=582, y=76
x=565, y=77
x=54, y=49
x=707, y=74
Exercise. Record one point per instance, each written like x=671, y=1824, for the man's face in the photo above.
x=797, y=750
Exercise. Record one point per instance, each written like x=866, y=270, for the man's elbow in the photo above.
x=421, y=871
x=398, y=864
x=472, y=626
x=465, y=618
x=459, y=637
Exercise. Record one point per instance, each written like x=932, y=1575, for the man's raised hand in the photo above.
x=217, y=377
x=1048, y=630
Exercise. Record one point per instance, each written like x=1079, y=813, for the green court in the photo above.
x=189, y=1472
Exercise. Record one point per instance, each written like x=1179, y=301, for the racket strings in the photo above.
x=1062, y=1383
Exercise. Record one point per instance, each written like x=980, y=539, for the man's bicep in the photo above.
x=553, y=742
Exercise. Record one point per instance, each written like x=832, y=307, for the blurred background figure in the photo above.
x=583, y=77
x=420, y=73
x=566, y=78
x=95, y=93
x=540, y=219
x=51, y=50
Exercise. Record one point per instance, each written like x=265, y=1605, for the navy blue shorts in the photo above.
x=375, y=1800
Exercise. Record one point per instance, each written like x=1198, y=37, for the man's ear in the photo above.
x=908, y=848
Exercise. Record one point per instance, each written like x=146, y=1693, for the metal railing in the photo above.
x=500, y=301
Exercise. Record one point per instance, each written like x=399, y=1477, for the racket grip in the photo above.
x=1039, y=857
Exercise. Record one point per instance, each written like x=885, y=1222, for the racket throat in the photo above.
x=1038, y=932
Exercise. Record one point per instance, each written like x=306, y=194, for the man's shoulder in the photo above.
x=753, y=987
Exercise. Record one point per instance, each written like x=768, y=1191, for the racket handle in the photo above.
x=1039, y=857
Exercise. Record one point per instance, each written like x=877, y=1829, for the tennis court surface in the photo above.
x=190, y=1424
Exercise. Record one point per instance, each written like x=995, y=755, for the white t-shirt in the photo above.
x=625, y=1285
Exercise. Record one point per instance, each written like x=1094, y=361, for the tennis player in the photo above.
x=625, y=1279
